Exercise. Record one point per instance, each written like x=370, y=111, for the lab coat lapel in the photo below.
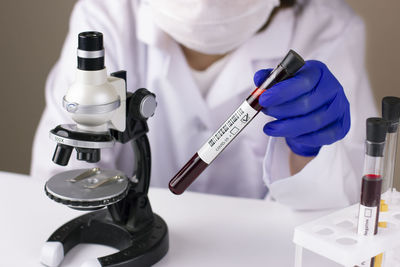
x=171, y=71
x=187, y=94
x=183, y=107
x=266, y=47
x=181, y=111
x=234, y=79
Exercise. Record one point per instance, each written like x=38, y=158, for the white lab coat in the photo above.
x=254, y=163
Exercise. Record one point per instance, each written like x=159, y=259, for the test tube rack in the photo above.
x=335, y=236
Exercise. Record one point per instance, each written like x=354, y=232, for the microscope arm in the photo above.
x=141, y=149
x=135, y=211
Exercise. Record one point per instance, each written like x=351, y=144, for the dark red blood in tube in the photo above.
x=371, y=190
x=195, y=166
x=192, y=169
x=371, y=193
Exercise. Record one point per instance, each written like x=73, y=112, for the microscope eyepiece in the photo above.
x=90, y=51
x=90, y=41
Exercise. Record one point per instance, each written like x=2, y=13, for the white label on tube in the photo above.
x=227, y=132
x=366, y=225
x=367, y=220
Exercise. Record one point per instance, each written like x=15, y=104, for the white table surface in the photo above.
x=204, y=230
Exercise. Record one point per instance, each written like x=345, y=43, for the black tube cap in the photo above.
x=391, y=108
x=376, y=130
x=90, y=41
x=292, y=62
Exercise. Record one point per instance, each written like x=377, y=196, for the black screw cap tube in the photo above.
x=391, y=112
x=292, y=62
x=376, y=135
x=239, y=119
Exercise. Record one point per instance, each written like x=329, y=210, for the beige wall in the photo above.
x=32, y=33
x=382, y=22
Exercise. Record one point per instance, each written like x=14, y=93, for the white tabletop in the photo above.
x=204, y=230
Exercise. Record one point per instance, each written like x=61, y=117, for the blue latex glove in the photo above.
x=311, y=108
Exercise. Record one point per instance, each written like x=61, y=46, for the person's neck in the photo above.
x=199, y=61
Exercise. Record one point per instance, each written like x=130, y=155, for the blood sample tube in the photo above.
x=371, y=184
x=391, y=113
x=233, y=125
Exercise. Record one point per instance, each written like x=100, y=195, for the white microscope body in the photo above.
x=97, y=102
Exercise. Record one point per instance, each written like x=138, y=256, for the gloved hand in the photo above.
x=311, y=108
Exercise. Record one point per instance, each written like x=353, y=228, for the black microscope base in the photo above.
x=143, y=248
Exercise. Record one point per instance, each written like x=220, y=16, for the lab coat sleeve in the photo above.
x=60, y=77
x=332, y=178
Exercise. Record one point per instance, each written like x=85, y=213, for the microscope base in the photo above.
x=142, y=248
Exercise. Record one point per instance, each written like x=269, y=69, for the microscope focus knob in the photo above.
x=143, y=104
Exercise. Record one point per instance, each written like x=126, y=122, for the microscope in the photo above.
x=120, y=212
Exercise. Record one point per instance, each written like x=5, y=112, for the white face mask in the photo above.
x=211, y=26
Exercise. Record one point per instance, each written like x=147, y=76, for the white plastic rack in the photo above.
x=335, y=236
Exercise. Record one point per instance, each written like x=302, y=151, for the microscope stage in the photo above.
x=81, y=189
